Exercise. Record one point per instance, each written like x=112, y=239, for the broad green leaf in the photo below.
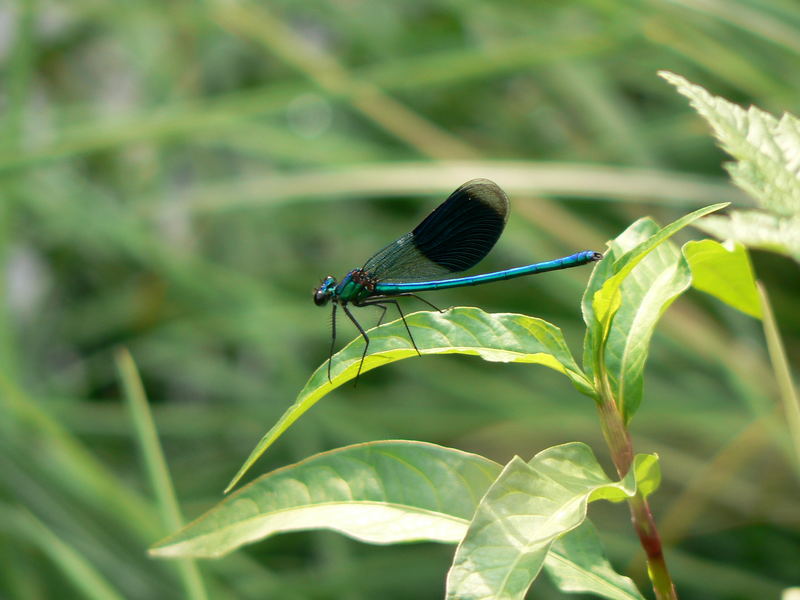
x=523, y=513
x=604, y=300
x=576, y=563
x=791, y=593
x=379, y=492
x=767, y=149
x=646, y=293
x=626, y=297
x=725, y=272
x=635, y=234
x=502, y=337
x=397, y=491
x=643, y=297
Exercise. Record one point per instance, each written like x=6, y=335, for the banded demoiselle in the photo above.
x=453, y=238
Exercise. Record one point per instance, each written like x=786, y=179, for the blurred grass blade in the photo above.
x=763, y=23
x=74, y=466
x=379, y=492
x=725, y=272
x=783, y=374
x=236, y=110
x=523, y=513
x=75, y=567
x=155, y=465
x=501, y=337
x=403, y=178
x=577, y=564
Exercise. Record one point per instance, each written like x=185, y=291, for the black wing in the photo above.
x=453, y=238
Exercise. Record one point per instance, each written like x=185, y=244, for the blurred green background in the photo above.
x=178, y=176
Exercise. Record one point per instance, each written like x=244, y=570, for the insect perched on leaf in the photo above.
x=453, y=238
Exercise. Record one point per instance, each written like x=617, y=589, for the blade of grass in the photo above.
x=72, y=564
x=783, y=374
x=717, y=57
x=325, y=71
x=156, y=466
x=754, y=22
x=84, y=133
x=710, y=482
x=607, y=182
x=81, y=471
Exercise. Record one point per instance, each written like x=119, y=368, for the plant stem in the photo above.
x=783, y=373
x=619, y=442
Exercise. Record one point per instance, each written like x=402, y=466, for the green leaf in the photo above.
x=767, y=150
x=576, y=563
x=757, y=229
x=626, y=241
x=523, y=513
x=646, y=293
x=725, y=272
x=660, y=275
x=397, y=491
x=603, y=302
x=500, y=337
x=648, y=473
x=379, y=492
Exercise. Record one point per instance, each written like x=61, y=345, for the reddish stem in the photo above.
x=619, y=442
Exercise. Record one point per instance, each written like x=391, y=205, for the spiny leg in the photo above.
x=383, y=314
x=363, y=334
x=399, y=310
x=421, y=299
x=333, y=339
x=410, y=295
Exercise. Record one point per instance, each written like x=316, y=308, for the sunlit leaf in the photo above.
x=767, y=149
x=635, y=234
x=725, y=272
x=648, y=473
x=767, y=166
x=757, y=229
x=603, y=302
x=646, y=293
x=500, y=337
x=523, y=513
x=399, y=491
x=576, y=563
x=378, y=492
x=640, y=298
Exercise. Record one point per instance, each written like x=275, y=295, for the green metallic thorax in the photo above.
x=354, y=287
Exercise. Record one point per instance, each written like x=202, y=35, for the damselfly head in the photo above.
x=325, y=291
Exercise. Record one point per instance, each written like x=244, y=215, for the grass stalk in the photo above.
x=156, y=466
x=783, y=374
